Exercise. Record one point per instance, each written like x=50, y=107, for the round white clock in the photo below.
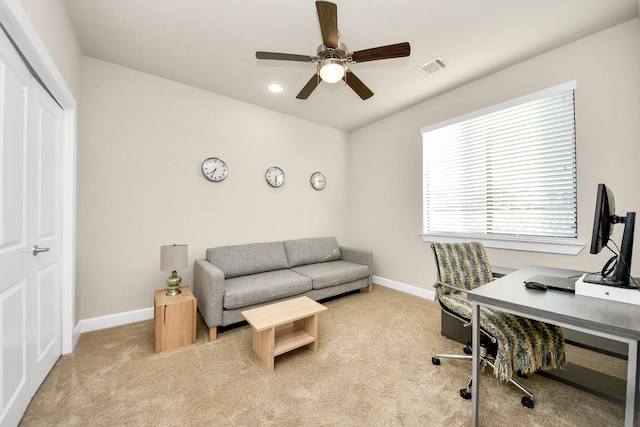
x=318, y=180
x=274, y=176
x=214, y=169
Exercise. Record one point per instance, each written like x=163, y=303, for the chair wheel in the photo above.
x=467, y=350
x=526, y=401
x=465, y=394
x=435, y=360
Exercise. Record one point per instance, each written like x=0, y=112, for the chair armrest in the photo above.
x=358, y=256
x=208, y=288
x=453, y=288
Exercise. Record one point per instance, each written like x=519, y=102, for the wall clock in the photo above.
x=318, y=180
x=274, y=176
x=214, y=169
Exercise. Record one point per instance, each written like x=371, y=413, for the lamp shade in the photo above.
x=331, y=70
x=173, y=257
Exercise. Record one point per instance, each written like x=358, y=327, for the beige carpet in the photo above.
x=373, y=368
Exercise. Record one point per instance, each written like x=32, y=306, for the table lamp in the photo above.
x=172, y=258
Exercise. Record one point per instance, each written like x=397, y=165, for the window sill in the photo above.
x=552, y=246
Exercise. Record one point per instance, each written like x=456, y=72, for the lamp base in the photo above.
x=173, y=283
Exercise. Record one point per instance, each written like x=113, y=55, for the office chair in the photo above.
x=508, y=342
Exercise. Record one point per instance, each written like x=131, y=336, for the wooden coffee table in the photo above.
x=272, y=338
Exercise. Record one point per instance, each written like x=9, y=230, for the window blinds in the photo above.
x=510, y=171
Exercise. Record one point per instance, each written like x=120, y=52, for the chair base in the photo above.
x=485, y=358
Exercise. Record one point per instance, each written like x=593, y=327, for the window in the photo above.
x=505, y=175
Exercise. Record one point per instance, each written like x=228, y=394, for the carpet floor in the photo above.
x=372, y=368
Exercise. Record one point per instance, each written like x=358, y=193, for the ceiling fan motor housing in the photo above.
x=339, y=52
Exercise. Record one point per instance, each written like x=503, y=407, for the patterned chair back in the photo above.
x=463, y=265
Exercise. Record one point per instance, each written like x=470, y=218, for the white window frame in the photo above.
x=561, y=245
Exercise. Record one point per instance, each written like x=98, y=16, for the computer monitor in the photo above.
x=603, y=221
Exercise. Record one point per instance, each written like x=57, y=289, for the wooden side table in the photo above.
x=174, y=319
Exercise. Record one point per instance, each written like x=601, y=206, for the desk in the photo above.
x=609, y=319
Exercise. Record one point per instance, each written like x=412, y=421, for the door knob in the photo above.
x=37, y=250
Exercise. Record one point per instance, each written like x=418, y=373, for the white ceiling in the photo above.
x=211, y=44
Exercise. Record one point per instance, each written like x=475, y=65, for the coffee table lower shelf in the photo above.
x=291, y=338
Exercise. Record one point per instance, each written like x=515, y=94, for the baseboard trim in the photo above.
x=403, y=287
x=119, y=319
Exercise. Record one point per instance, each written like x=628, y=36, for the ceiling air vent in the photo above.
x=432, y=66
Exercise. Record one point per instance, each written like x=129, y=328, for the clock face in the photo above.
x=214, y=169
x=318, y=180
x=274, y=176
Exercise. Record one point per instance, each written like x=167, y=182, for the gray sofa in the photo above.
x=236, y=278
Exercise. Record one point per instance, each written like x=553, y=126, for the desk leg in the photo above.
x=638, y=379
x=475, y=386
x=632, y=384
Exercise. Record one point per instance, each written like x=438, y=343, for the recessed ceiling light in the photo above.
x=275, y=87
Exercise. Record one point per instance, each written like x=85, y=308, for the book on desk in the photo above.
x=557, y=283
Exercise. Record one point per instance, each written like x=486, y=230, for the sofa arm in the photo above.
x=208, y=288
x=359, y=256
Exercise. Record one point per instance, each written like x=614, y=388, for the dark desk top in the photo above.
x=593, y=314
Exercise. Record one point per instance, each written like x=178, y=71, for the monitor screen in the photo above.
x=617, y=271
x=603, y=219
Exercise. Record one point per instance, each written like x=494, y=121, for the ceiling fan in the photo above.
x=333, y=57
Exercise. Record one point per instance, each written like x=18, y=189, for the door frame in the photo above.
x=17, y=24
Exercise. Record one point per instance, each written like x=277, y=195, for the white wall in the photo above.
x=385, y=158
x=142, y=140
x=140, y=186
x=52, y=22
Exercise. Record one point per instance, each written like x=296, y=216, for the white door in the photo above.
x=44, y=135
x=30, y=215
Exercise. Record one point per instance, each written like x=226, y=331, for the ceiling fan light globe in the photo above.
x=331, y=71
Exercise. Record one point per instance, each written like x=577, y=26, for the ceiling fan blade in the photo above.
x=356, y=84
x=309, y=87
x=285, y=57
x=328, y=18
x=397, y=50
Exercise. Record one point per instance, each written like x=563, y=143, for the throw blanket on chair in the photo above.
x=523, y=345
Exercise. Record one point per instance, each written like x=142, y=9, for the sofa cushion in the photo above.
x=332, y=273
x=253, y=289
x=311, y=251
x=240, y=260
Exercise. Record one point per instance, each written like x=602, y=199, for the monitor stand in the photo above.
x=608, y=281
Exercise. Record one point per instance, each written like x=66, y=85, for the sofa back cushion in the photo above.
x=240, y=260
x=311, y=251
